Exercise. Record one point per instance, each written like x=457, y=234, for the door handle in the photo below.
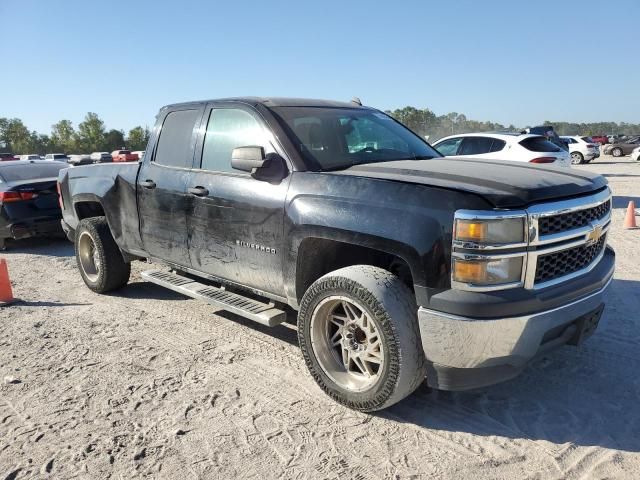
x=198, y=191
x=148, y=184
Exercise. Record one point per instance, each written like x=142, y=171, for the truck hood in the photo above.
x=504, y=184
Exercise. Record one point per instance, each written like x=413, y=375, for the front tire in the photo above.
x=98, y=257
x=577, y=158
x=359, y=336
x=616, y=152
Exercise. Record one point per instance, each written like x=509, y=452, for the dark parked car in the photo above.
x=549, y=132
x=401, y=264
x=620, y=148
x=7, y=157
x=29, y=199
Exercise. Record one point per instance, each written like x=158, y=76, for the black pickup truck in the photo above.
x=401, y=264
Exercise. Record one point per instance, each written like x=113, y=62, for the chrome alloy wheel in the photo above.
x=347, y=344
x=89, y=256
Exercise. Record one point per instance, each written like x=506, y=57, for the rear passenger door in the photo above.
x=483, y=147
x=235, y=221
x=161, y=186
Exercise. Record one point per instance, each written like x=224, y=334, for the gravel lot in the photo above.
x=146, y=382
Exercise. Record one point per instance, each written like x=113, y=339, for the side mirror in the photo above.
x=248, y=159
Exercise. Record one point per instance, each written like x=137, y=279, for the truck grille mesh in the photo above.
x=564, y=262
x=569, y=221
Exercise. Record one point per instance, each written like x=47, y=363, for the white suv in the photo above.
x=635, y=155
x=504, y=146
x=582, y=149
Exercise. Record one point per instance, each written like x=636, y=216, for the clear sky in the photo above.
x=505, y=61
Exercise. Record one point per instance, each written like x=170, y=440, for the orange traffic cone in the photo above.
x=630, y=218
x=6, y=295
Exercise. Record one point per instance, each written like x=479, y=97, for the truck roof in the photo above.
x=275, y=102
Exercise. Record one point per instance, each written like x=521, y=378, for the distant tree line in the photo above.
x=425, y=122
x=90, y=136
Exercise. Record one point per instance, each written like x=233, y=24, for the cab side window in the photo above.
x=175, y=145
x=229, y=128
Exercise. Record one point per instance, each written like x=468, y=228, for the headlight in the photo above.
x=482, y=271
x=490, y=231
x=489, y=249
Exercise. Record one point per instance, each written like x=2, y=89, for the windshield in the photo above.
x=337, y=138
x=587, y=139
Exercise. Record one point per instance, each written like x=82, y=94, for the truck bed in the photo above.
x=113, y=185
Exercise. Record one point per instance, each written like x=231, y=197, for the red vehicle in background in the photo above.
x=601, y=139
x=124, y=156
x=7, y=157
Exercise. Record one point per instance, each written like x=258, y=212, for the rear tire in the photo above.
x=616, y=152
x=98, y=257
x=577, y=158
x=359, y=336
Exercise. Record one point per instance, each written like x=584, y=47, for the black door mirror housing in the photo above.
x=248, y=159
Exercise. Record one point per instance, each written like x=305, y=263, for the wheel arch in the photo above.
x=88, y=205
x=319, y=255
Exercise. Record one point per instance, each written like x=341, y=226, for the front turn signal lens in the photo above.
x=469, y=272
x=471, y=231
x=487, y=272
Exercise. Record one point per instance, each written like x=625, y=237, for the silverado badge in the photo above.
x=594, y=234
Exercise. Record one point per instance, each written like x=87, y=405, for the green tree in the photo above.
x=63, y=137
x=15, y=136
x=113, y=140
x=420, y=121
x=138, y=138
x=91, y=134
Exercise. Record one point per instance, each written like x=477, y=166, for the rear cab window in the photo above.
x=539, y=144
x=176, y=142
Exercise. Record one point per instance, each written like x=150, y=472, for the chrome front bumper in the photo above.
x=466, y=353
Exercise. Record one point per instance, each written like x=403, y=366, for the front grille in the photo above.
x=564, y=262
x=569, y=221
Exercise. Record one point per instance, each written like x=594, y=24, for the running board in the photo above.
x=264, y=313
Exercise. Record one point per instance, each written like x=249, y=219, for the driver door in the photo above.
x=235, y=221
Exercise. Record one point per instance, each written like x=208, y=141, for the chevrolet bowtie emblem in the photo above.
x=594, y=234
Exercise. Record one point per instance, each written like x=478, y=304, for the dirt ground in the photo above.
x=146, y=382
